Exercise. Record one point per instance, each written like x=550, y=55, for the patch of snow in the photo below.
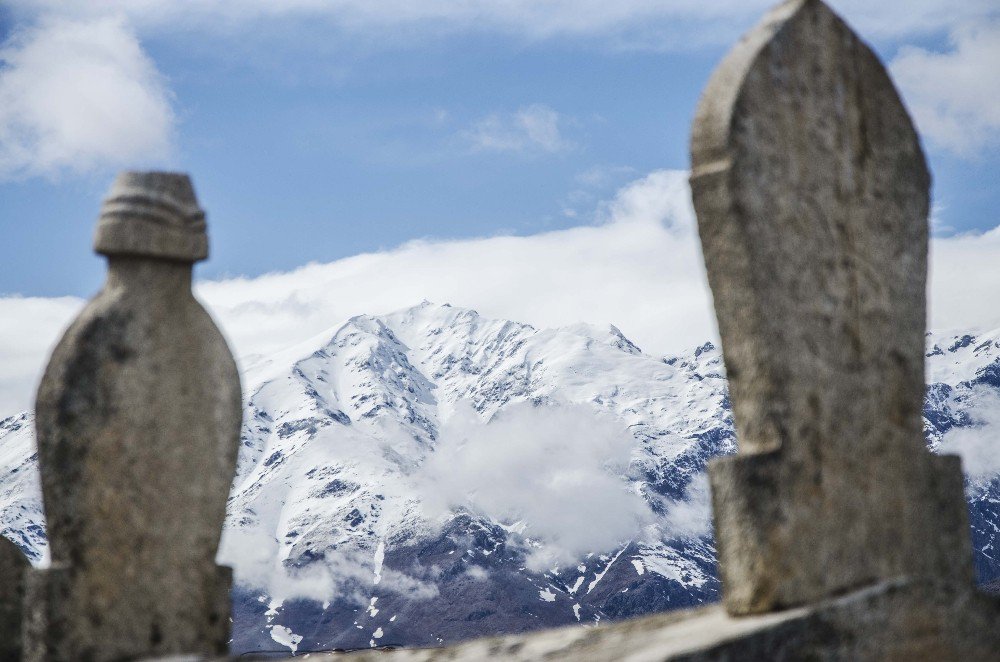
x=286, y=637
x=599, y=576
x=547, y=595
x=682, y=570
x=379, y=560
x=272, y=608
x=639, y=567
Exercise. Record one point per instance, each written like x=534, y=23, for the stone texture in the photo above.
x=811, y=192
x=154, y=214
x=137, y=422
x=13, y=566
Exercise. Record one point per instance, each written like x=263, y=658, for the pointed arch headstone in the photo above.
x=812, y=194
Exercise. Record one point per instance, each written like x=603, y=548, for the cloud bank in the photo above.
x=80, y=95
x=638, y=266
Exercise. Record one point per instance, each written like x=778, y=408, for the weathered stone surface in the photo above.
x=811, y=192
x=137, y=419
x=148, y=213
x=13, y=566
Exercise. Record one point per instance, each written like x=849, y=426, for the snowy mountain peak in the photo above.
x=433, y=474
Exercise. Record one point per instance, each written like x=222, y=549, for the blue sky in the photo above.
x=328, y=129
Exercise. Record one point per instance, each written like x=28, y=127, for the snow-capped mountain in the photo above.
x=431, y=475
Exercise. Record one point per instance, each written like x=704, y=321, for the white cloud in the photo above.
x=902, y=18
x=690, y=517
x=255, y=556
x=661, y=199
x=557, y=469
x=640, y=268
x=977, y=445
x=534, y=128
x=964, y=283
x=602, y=175
x=75, y=96
x=955, y=95
x=660, y=24
x=29, y=327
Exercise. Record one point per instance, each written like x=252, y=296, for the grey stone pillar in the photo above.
x=137, y=421
x=811, y=192
x=13, y=566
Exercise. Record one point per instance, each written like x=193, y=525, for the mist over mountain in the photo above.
x=432, y=475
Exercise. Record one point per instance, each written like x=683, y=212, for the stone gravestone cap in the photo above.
x=811, y=192
x=154, y=214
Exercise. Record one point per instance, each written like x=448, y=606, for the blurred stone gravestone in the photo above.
x=812, y=195
x=13, y=566
x=137, y=424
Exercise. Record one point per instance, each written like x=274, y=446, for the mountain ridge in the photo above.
x=364, y=500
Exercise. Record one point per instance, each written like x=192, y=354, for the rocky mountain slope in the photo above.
x=431, y=475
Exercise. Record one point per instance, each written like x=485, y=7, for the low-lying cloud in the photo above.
x=690, y=517
x=557, y=473
x=979, y=444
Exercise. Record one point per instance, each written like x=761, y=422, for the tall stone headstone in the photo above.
x=811, y=192
x=137, y=420
x=13, y=566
